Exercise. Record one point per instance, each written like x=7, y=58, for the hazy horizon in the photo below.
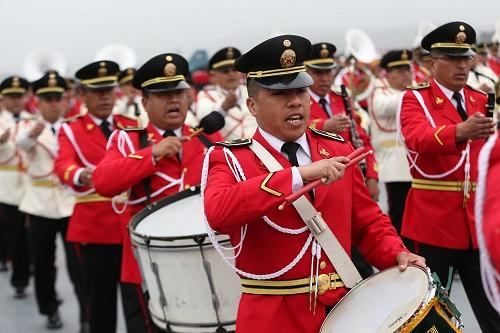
x=79, y=29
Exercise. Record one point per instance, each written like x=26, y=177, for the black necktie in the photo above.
x=290, y=148
x=458, y=98
x=53, y=130
x=172, y=133
x=105, y=128
x=168, y=133
x=322, y=101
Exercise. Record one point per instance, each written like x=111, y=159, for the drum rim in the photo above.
x=192, y=325
x=157, y=205
x=363, y=281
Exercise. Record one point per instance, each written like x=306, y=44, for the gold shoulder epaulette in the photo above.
x=234, y=143
x=327, y=134
x=129, y=128
x=418, y=86
x=336, y=91
x=73, y=118
x=478, y=90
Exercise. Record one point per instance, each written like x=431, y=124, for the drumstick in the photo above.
x=195, y=133
x=354, y=157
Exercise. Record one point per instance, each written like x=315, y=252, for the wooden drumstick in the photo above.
x=195, y=133
x=354, y=157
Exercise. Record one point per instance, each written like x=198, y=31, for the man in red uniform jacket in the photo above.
x=444, y=125
x=94, y=225
x=161, y=159
x=278, y=98
x=487, y=218
x=328, y=112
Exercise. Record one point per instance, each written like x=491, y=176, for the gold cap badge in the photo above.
x=288, y=58
x=287, y=43
x=102, y=70
x=230, y=53
x=460, y=38
x=52, y=80
x=16, y=82
x=170, y=69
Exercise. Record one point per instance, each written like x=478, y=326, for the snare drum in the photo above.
x=394, y=301
x=191, y=289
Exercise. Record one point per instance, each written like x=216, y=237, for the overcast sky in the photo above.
x=78, y=29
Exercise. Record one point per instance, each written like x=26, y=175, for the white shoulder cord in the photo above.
x=240, y=176
x=490, y=276
x=410, y=153
x=71, y=138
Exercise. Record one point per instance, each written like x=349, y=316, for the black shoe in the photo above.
x=85, y=327
x=20, y=293
x=54, y=321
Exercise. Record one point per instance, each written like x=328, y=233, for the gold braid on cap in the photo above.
x=226, y=62
x=49, y=90
x=99, y=80
x=398, y=63
x=319, y=61
x=162, y=79
x=451, y=45
x=276, y=72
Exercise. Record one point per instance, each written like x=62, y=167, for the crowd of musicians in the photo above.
x=80, y=156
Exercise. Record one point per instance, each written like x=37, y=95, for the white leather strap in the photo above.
x=315, y=223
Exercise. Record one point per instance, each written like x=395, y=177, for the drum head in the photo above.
x=381, y=303
x=174, y=217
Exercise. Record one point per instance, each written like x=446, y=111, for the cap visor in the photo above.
x=283, y=82
x=169, y=86
x=323, y=67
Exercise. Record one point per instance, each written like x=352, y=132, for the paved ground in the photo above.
x=21, y=316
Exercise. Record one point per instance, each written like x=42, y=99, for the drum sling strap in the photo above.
x=143, y=143
x=315, y=223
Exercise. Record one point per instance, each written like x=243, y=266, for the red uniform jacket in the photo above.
x=437, y=217
x=93, y=219
x=319, y=116
x=491, y=217
x=136, y=166
x=494, y=63
x=345, y=206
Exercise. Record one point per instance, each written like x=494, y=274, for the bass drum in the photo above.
x=394, y=301
x=191, y=288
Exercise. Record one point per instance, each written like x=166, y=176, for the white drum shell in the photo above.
x=382, y=303
x=183, y=277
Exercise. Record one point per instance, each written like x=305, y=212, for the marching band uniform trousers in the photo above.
x=17, y=245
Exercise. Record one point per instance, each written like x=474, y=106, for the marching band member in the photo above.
x=444, y=126
x=487, y=220
x=94, y=225
x=14, y=91
x=328, y=109
x=45, y=200
x=393, y=169
x=240, y=191
x=161, y=161
x=226, y=96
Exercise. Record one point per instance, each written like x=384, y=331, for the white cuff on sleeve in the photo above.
x=76, y=177
x=297, y=182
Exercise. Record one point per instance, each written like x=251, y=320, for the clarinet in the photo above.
x=490, y=105
x=356, y=140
